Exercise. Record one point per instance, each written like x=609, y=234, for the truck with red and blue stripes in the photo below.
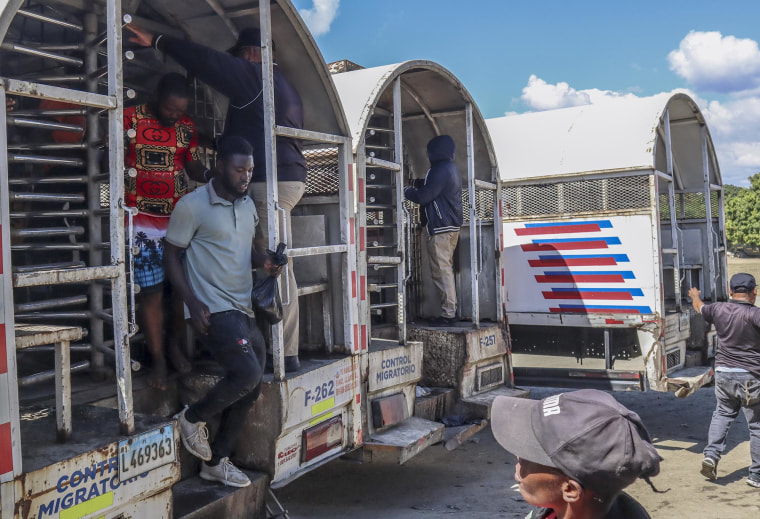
x=611, y=214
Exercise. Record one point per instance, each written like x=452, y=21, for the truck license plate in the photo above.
x=146, y=451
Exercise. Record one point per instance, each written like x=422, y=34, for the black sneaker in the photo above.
x=710, y=469
x=753, y=480
x=292, y=363
x=444, y=321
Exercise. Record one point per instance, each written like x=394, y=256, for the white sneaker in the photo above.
x=226, y=473
x=194, y=436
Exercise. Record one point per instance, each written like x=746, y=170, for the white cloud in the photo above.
x=734, y=126
x=540, y=95
x=716, y=63
x=319, y=17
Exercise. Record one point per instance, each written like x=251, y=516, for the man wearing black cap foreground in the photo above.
x=737, y=371
x=238, y=75
x=576, y=452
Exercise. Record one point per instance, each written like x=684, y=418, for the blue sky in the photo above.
x=535, y=55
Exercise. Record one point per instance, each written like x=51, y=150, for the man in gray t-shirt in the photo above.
x=737, y=371
x=215, y=225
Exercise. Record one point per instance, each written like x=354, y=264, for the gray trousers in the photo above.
x=734, y=392
x=290, y=194
x=441, y=251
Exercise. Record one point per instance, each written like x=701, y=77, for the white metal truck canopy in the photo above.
x=217, y=24
x=428, y=89
x=619, y=135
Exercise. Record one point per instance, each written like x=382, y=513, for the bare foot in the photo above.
x=157, y=377
x=178, y=359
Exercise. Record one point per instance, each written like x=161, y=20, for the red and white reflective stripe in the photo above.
x=6, y=441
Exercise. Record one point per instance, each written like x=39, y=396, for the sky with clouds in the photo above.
x=515, y=56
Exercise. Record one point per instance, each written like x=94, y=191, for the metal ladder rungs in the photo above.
x=378, y=306
x=377, y=287
x=383, y=260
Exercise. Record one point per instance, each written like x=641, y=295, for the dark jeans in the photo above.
x=734, y=392
x=237, y=345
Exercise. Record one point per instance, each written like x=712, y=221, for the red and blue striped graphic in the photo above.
x=559, y=268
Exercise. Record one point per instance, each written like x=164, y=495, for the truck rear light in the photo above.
x=388, y=410
x=321, y=438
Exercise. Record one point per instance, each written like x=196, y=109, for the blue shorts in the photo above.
x=149, y=263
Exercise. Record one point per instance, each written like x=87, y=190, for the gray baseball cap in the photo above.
x=586, y=434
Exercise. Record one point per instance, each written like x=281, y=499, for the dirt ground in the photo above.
x=476, y=480
x=749, y=265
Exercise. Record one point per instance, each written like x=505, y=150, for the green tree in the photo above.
x=743, y=212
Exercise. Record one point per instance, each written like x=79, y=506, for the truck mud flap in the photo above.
x=407, y=438
x=686, y=381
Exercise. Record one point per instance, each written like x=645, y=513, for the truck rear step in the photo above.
x=195, y=498
x=407, y=438
x=479, y=406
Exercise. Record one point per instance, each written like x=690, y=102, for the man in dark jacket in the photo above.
x=440, y=196
x=737, y=371
x=238, y=75
x=576, y=452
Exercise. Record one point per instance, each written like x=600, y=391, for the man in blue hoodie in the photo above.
x=440, y=198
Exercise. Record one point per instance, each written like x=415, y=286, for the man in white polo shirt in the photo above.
x=215, y=226
x=737, y=371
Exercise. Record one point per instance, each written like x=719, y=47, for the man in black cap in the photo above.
x=238, y=75
x=737, y=371
x=576, y=453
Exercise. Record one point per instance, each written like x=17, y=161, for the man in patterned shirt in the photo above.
x=162, y=146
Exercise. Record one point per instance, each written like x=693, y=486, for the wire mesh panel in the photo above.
x=689, y=206
x=322, y=177
x=577, y=197
x=485, y=200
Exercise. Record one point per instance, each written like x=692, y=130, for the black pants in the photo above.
x=237, y=345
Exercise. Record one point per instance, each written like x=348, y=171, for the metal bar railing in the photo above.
x=45, y=376
x=48, y=266
x=31, y=51
x=46, y=304
x=20, y=158
x=71, y=213
x=42, y=125
x=45, y=197
x=48, y=232
x=57, y=146
x=53, y=93
x=48, y=19
x=74, y=275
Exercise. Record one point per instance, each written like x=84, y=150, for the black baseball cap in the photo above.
x=248, y=37
x=586, y=434
x=742, y=283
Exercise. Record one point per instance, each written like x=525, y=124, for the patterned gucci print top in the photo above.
x=159, y=154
